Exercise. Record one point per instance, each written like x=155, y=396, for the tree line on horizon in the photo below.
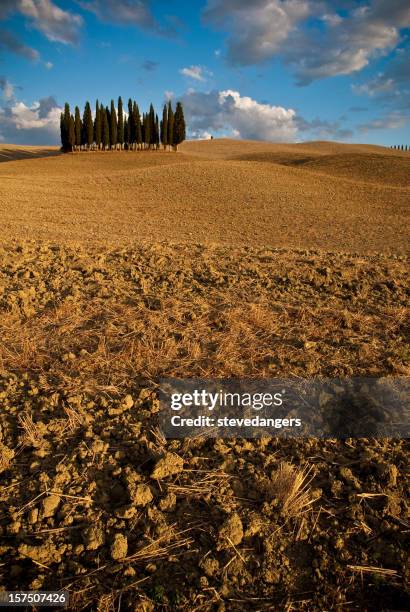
x=113, y=129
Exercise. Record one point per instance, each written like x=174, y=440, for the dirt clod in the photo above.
x=168, y=465
x=50, y=505
x=119, y=547
x=231, y=532
x=93, y=537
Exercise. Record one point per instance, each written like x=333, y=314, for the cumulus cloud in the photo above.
x=35, y=124
x=344, y=42
x=229, y=113
x=198, y=73
x=129, y=12
x=9, y=42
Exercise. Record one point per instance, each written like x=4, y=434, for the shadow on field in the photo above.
x=8, y=154
x=385, y=169
x=284, y=159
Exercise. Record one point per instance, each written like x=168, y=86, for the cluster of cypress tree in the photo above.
x=114, y=129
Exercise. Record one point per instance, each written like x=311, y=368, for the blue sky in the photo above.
x=281, y=70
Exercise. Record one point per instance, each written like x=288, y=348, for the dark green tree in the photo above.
x=170, y=137
x=71, y=134
x=126, y=137
x=131, y=125
x=113, y=126
x=105, y=135
x=97, y=125
x=120, y=126
x=62, y=131
x=156, y=132
x=78, y=128
x=65, y=127
x=164, y=127
x=151, y=126
x=143, y=128
x=137, y=123
x=88, y=127
x=179, y=126
x=107, y=111
x=148, y=130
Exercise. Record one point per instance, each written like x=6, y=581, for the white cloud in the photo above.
x=227, y=112
x=343, y=48
x=198, y=73
x=29, y=118
x=345, y=43
x=56, y=24
x=35, y=124
x=257, y=29
x=200, y=135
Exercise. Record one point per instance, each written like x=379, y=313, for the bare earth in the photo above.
x=316, y=195
x=228, y=259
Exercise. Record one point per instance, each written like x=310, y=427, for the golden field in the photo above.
x=316, y=195
x=226, y=259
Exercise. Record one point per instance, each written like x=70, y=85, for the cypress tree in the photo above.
x=97, y=125
x=113, y=126
x=151, y=126
x=131, y=125
x=170, y=136
x=62, y=131
x=120, y=126
x=137, y=123
x=78, y=128
x=105, y=132
x=126, y=137
x=164, y=127
x=156, y=132
x=88, y=127
x=143, y=128
x=71, y=133
x=65, y=127
x=179, y=126
x=148, y=130
x=107, y=112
